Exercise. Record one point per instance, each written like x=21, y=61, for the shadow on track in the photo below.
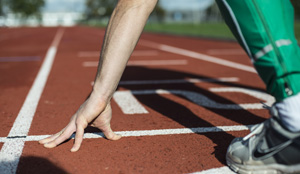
x=35, y=165
x=175, y=111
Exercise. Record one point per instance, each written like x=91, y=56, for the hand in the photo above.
x=91, y=112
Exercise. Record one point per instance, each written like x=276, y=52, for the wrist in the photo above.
x=99, y=97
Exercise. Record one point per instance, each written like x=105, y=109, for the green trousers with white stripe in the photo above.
x=265, y=29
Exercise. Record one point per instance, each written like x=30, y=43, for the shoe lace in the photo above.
x=256, y=129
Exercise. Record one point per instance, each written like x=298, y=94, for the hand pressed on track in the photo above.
x=91, y=112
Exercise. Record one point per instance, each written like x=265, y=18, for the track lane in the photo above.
x=17, y=77
x=13, y=146
x=69, y=83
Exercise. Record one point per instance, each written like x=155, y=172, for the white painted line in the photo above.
x=135, y=53
x=57, y=37
x=223, y=170
x=226, y=52
x=191, y=80
x=142, y=63
x=2, y=139
x=128, y=103
x=204, y=101
x=198, y=56
x=269, y=100
x=157, y=132
x=12, y=150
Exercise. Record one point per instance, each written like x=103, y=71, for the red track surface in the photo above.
x=69, y=83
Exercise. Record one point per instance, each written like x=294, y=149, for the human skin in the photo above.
x=123, y=31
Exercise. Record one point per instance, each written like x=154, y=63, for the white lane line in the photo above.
x=191, y=80
x=226, y=52
x=135, y=53
x=197, y=55
x=128, y=103
x=223, y=170
x=204, y=101
x=11, y=149
x=142, y=63
x=147, y=132
x=269, y=100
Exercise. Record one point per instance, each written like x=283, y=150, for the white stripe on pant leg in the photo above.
x=265, y=50
x=238, y=28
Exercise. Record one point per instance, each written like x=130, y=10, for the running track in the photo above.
x=180, y=102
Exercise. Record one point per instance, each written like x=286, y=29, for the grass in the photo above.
x=209, y=30
x=212, y=30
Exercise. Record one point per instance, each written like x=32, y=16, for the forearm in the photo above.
x=123, y=31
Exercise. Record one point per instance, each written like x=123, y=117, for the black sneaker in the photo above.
x=269, y=148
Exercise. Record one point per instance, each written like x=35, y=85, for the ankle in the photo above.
x=289, y=112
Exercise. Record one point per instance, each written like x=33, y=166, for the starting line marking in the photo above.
x=12, y=148
x=198, y=56
x=128, y=103
x=223, y=170
x=140, y=133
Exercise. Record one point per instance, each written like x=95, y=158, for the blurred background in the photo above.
x=182, y=17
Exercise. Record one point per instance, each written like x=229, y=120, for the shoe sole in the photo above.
x=261, y=169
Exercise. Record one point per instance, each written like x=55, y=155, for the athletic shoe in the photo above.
x=269, y=148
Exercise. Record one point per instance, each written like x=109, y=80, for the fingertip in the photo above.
x=117, y=137
x=114, y=136
x=49, y=145
x=45, y=140
x=74, y=149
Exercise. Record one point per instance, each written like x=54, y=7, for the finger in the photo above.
x=66, y=134
x=78, y=138
x=109, y=133
x=50, y=138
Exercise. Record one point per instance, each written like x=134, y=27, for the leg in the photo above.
x=264, y=28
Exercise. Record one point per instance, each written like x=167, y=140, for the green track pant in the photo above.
x=265, y=29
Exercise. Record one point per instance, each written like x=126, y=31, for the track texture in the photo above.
x=176, y=105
